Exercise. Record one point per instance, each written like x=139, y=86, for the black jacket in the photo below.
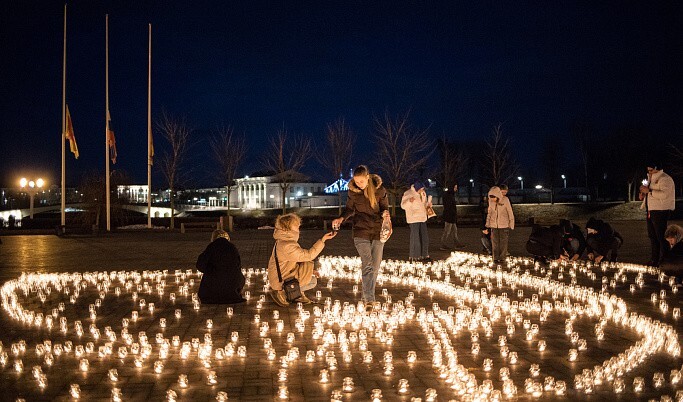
x=450, y=211
x=223, y=280
x=577, y=234
x=672, y=263
x=367, y=222
x=549, y=237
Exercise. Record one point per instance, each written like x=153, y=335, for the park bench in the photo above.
x=198, y=225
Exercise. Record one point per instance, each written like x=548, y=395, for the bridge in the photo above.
x=157, y=212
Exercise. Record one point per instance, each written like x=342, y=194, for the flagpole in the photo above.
x=63, y=204
x=106, y=131
x=149, y=129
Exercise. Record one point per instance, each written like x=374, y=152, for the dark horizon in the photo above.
x=459, y=69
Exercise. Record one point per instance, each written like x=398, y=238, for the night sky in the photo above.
x=460, y=67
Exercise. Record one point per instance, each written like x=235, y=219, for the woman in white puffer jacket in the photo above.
x=500, y=220
x=415, y=202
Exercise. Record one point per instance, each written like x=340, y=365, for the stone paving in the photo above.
x=256, y=377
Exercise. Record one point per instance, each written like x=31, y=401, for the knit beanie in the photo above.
x=418, y=185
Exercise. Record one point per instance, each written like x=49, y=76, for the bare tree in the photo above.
x=582, y=133
x=499, y=164
x=676, y=163
x=551, y=156
x=453, y=162
x=337, y=150
x=176, y=133
x=93, y=194
x=229, y=152
x=402, y=152
x=285, y=157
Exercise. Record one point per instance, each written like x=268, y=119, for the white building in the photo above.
x=254, y=192
x=265, y=192
x=135, y=193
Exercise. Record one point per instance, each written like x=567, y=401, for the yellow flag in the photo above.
x=69, y=134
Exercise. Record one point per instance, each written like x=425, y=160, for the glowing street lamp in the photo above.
x=472, y=182
x=32, y=187
x=564, y=179
x=521, y=182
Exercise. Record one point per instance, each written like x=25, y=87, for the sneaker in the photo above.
x=304, y=300
x=427, y=259
x=459, y=246
x=444, y=248
x=279, y=298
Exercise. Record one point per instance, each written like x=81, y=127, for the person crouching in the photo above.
x=545, y=243
x=602, y=240
x=220, y=263
x=672, y=263
x=293, y=260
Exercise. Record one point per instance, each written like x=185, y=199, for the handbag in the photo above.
x=291, y=285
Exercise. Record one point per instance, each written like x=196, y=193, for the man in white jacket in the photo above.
x=659, y=199
x=415, y=202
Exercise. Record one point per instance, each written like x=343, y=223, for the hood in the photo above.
x=594, y=224
x=286, y=235
x=496, y=191
x=375, y=179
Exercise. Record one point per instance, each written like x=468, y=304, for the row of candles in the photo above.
x=436, y=324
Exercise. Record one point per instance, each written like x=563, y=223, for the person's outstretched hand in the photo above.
x=328, y=236
x=337, y=222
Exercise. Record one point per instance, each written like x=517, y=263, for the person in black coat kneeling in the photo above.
x=220, y=263
x=545, y=243
x=602, y=240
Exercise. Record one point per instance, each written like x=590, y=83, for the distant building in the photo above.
x=257, y=191
x=263, y=191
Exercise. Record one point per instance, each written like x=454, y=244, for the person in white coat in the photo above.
x=659, y=200
x=415, y=202
x=500, y=220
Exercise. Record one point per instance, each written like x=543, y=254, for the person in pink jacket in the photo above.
x=500, y=220
x=294, y=260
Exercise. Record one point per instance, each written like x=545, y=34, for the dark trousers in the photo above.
x=539, y=250
x=604, y=246
x=656, y=226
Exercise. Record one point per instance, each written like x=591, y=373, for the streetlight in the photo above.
x=32, y=188
x=539, y=187
x=521, y=182
x=472, y=182
x=564, y=179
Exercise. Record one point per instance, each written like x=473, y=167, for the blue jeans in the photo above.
x=370, y=252
x=419, y=240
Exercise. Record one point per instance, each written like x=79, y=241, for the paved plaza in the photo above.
x=453, y=330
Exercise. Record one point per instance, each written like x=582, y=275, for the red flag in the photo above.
x=69, y=134
x=111, y=140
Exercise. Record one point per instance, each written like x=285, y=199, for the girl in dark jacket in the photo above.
x=220, y=263
x=367, y=205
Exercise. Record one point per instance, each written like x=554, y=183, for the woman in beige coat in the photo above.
x=294, y=260
x=500, y=220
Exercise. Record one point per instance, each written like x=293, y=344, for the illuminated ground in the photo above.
x=445, y=359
